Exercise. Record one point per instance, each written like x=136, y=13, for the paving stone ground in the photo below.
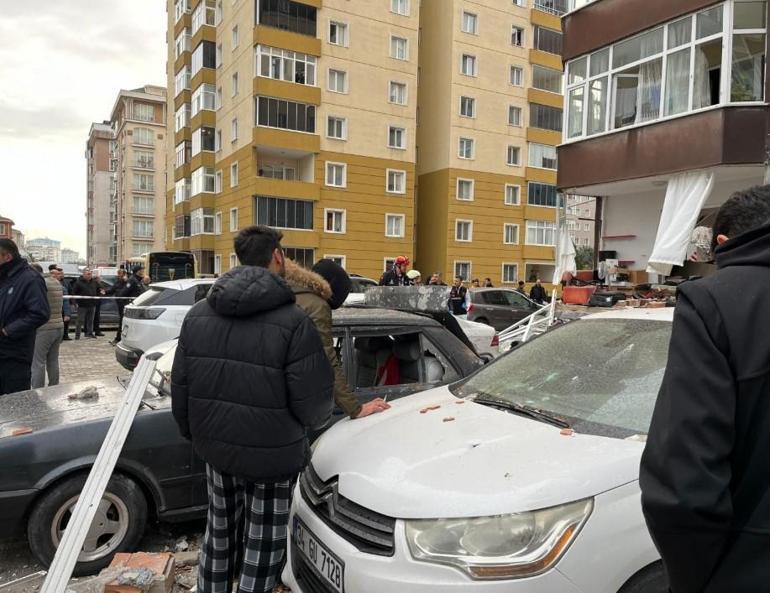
x=86, y=358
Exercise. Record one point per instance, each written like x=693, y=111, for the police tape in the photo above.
x=75, y=297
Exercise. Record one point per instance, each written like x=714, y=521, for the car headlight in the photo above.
x=501, y=547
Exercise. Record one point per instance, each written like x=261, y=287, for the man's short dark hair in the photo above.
x=9, y=246
x=53, y=267
x=745, y=211
x=254, y=245
x=521, y=282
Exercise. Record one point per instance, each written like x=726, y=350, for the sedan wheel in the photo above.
x=108, y=529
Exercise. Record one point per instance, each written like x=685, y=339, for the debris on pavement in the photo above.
x=141, y=573
x=90, y=392
x=182, y=545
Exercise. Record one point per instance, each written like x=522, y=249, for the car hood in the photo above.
x=49, y=407
x=466, y=460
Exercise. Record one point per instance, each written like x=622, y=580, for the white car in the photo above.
x=483, y=337
x=522, y=478
x=156, y=316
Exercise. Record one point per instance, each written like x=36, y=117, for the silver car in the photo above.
x=499, y=307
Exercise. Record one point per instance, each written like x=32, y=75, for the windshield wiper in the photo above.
x=522, y=410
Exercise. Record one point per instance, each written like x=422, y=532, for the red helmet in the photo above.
x=402, y=260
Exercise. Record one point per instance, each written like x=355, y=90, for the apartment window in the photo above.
x=512, y=195
x=181, y=227
x=542, y=156
x=182, y=80
x=399, y=48
x=144, y=182
x=181, y=7
x=234, y=130
x=464, y=230
x=181, y=191
x=144, y=205
x=517, y=36
x=233, y=261
x=336, y=128
x=289, y=16
x=335, y=221
x=235, y=37
x=287, y=115
x=203, y=98
x=510, y=234
x=462, y=270
x=202, y=221
x=466, y=148
x=546, y=79
x=217, y=264
x=523, y=3
x=396, y=181
x=218, y=59
x=543, y=194
x=182, y=43
x=202, y=181
x=336, y=174
x=143, y=228
x=218, y=223
x=143, y=136
x=218, y=101
x=514, y=116
x=218, y=182
x=218, y=141
x=301, y=256
x=218, y=13
x=517, y=76
x=340, y=260
x=470, y=23
x=143, y=112
x=284, y=213
x=181, y=118
x=545, y=117
x=400, y=7
x=394, y=225
x=465, y=189
x=513, y=156
x=204, y=14
x=234, y=83
x=338, y=33
x=233, y=220
x=467, y=106
x=183, y=153
x=397, y=93
x=286, y=65
x=468, y=65
x=396, y=137
x=204, y=56
x=510, y=273
x=233, y=174
x=338, y=81
x=541, y=232
x=548, y=40
x=202, y=140
x=144, y=159
x=586, y=227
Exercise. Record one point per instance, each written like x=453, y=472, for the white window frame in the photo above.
x=517, y=121
x=343, y=259
x=473, y=107
x=233, y=220
x=217, y=264
x=335, y=211
x=518, y=194
x=218, y=56
x=234, y=84
x=403, y=225
x=401, y=85
x=234, y=173
x=233, y=261
x=462, y=262
x=341, y=26
x=464, y=221
x=474, y=62
x=517, y=150
x=515, y=266
x=505, y=232
x=218, y=177
x=337, y=74
x=234, y=129
x=472, y=145
x=218, y=221
x=516, y=76
x=284, y=58
x=388, y=173
x=472, y=182
x=517, y=33
x=394, y=49
x=403, y=137
x=344, y=121
x=473, y=18
x=531, y=153
x=544, y=225
x=235, y=38
x=327, y=179
x=399, y=7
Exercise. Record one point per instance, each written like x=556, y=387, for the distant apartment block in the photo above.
x=44, y=249
x=69, y=256
x=6, y=228
x=101, y=240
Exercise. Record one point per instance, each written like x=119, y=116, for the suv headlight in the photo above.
x=501, y=547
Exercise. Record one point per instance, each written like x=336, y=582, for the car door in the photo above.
x=519, y=306
x=498, y=309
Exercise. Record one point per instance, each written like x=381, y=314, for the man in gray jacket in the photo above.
x=49, y=336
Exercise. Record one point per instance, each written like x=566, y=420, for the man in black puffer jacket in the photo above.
x=250, y=376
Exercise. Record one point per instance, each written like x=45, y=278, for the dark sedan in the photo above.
x=499, y=307
x=49, y=441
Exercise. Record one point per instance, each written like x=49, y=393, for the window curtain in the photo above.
x=678, y=82
x=685, y=196
x=701, y=94
x=648, y=91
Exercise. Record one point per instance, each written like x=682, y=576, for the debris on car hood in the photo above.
x=90, y=392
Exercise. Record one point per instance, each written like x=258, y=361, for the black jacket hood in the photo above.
x=749, y=249
x=246, y=290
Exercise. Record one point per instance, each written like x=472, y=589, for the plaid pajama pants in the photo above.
x=246, y=534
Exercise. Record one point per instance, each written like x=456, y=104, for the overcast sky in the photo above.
x=62, y=64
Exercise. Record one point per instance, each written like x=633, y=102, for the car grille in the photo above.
x=368, y=531
x=306, y=576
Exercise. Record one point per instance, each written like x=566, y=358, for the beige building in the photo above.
x=581, y=220
x=101, y=178
x=305, y=122
x=138, y=122
x=490, y=120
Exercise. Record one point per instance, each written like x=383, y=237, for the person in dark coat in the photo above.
x=85, y=286
x=538, y=294
x=396, y=276
x=705, y=471
x=135, y=285
x=116, y=290
x=23, y=308
x=458, y=298
x=522, y=289
x=250, y=377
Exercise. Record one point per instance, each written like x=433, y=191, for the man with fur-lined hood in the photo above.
x=318, y=292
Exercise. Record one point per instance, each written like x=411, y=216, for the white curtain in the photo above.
x=566, y=255
x=701, y=94
x=685, y=196
x=678, y=82
x=648, y=92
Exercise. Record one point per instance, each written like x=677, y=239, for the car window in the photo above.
x=438, y=369
x=361, y=285
x=495, y=297
x=189, y=296
x=601, y=375
x=387, y=359
x=152, y=295
x=515, y=299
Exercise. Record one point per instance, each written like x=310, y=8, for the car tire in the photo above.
x=121, y=518
x=651, y=579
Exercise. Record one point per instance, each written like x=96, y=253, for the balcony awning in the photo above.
x=685, y=196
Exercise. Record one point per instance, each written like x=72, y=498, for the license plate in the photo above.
x=330, y=568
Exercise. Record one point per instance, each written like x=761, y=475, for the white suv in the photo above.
x=156, y=316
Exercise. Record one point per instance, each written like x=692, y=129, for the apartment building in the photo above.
x=581, y=220
x=6, y=228
x=101, y=243
x=70, y=256
x=490, y=117
x=137, y=157
x=298, y=115
x=44, y=249
x=666, y=117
